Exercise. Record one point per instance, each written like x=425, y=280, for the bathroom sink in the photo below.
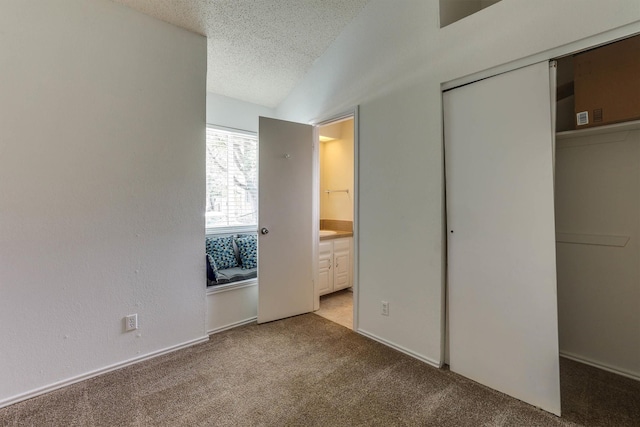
x=327, y=233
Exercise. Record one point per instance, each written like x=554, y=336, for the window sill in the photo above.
x=248, y=229
x=211, y=290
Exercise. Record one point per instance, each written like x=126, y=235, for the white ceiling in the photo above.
x=258, y=50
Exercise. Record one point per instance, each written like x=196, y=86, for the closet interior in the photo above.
x=597, y=206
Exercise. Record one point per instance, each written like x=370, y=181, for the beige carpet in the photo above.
x=308, y=371
x=337, y=307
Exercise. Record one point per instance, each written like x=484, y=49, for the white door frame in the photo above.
x=551, y=54
x=554, y=53
x=351, y=113
x=591, y=42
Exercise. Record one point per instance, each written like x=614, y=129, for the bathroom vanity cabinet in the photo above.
x=335, y=265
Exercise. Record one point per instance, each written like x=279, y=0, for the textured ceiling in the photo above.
x=258, y=50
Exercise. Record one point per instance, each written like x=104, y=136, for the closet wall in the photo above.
x=598, y=253
x=598, y=207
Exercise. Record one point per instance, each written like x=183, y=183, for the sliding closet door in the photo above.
x=501, y=236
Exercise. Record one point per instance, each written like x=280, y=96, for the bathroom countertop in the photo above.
x=338, y=235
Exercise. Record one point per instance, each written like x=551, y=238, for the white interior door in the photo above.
x=501, y=246
x=285, y=231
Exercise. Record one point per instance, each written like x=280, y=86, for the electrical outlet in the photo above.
x=385, y=308
x=131, y=322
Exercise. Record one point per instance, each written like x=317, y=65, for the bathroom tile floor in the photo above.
x=337, y=307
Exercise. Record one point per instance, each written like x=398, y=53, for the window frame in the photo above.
x=233, y=229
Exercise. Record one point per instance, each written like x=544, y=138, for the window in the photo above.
x=232, y=179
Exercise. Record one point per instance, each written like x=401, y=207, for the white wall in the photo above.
x=598, y=194
x=336, y=172
x=102, y=124
x=392, y=60
x=230, y=307
x=233, y=113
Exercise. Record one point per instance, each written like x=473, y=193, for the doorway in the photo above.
x=289, y=220
x=597, y=212
x=336, y=196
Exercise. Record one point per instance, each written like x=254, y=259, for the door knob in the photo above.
x=264, y=230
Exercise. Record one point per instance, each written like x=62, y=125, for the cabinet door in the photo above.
x=342, y=263
x=325, y=271
x=341, y=271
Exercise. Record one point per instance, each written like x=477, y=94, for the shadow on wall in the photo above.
x=455, y=10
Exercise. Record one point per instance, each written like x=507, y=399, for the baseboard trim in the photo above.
x=232, y=325
x=95, y=373
x=592, y=239
x=599, y=365
x=400, y=348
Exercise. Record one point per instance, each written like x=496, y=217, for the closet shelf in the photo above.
x=616, y=127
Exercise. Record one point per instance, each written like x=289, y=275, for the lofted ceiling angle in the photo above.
x=258, y=50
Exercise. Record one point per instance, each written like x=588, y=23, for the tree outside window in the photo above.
x=232, y=179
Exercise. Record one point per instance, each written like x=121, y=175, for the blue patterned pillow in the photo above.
x=248, y=249
x=221, y=250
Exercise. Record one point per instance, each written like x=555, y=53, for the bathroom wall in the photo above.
x=336, y=172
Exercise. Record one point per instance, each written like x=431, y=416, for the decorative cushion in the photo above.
x=248, y=250
x=221, y=250
x=235, y=274
x=212, y=269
